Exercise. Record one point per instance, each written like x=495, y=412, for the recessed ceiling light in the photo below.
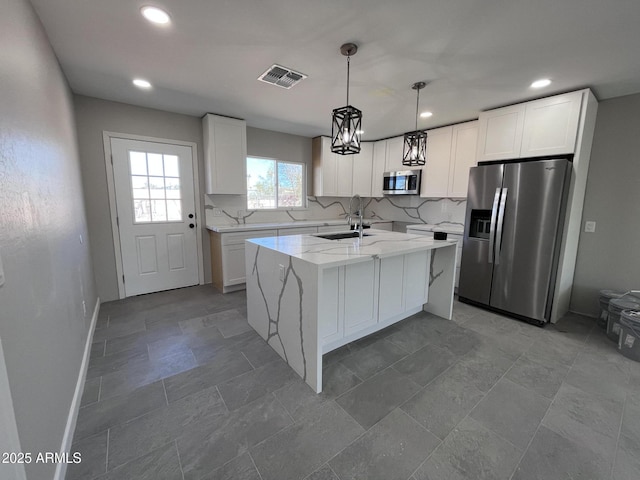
x=426, y=114
x=359, y=132
x=140, y=83
x=155, y=15
x=543, y=82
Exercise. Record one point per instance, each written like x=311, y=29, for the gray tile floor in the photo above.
x=180, y=387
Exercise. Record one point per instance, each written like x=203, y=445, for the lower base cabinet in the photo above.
x=357, y=297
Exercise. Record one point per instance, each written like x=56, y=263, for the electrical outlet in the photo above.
x=217, y=212
x=281, y=272
x=589, y=226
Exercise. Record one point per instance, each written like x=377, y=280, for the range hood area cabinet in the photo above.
x=451, y=152
x=544, y=127
x=225, y=153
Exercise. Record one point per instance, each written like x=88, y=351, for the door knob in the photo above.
x=191, y=225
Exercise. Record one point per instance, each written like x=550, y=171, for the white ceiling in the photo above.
x=476, y=54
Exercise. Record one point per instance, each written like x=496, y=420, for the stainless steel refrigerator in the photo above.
x=513, y=228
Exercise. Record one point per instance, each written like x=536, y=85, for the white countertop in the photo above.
x=453, y=229
x=298, y=223
x=330, y=253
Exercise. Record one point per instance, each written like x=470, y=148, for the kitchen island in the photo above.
x=307, y=295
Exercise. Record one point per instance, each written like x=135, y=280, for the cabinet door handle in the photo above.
x=191, y=225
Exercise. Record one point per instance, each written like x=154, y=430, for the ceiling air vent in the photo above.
x=281, y=76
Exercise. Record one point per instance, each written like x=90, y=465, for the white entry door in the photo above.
x=154, y=186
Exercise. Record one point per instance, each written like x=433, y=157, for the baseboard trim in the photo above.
x=67, y=439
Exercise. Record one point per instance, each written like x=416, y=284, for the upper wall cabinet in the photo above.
x=464, y=141
x=551, y=125
x=451, y=151
x=225, y=153
x=362, y=171
x=548, y=126
x=332, y=173
x=435, y=173
x=394, y=151
x=378, y=167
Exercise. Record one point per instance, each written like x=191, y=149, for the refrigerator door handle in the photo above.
x=492, y=226
x=503, y=202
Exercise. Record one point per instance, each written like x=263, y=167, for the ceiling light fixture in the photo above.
x=140, y=83
x=415, y=143
x=543, y=82
x=155, y=15
x=426, y=114
x=346, y=122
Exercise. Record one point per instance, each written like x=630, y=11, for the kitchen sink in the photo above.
x=340, y=236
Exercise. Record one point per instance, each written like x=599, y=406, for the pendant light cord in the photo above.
x=348, y=64
x=417, y=107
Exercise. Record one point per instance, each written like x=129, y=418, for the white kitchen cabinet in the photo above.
x=551, y=125
x=435, y=173
x=362, y=170
x=463, y=156
x=548, y=126
x=332, y=173
x=394, y=151
x=345, y=174
x=227, y=258
x=451, y=151
x=360, y=293
x=391, y=272
x=500, y=133
x=405, y=283
x=378, y=167
x=225, y=154
x=330, y=318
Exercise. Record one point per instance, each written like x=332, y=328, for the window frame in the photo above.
x=304, y=205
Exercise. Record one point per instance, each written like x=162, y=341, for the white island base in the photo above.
x=307, y=295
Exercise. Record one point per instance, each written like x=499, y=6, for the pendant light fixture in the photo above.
x=346, y=122
x=415, y=143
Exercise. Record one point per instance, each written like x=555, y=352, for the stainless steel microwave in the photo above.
x=405, y=182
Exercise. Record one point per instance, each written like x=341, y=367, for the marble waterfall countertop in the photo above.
x=329, y=253
x=298, y=223
x=453, y=229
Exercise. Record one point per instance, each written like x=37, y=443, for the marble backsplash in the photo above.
x=410, y=208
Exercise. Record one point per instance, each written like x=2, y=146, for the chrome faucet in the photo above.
x=358, y=212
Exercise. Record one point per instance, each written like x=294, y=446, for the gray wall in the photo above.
x=47, y=269
x=95, y=116
x=609, y=258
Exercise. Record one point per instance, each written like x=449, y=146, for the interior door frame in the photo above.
x=107, y=137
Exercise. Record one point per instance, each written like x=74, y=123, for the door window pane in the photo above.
x=154, y=161
x=142, y=211
x=155, y=187
x=158, y=210
x=138, y=163
x=140, y=186
x=172, y=187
